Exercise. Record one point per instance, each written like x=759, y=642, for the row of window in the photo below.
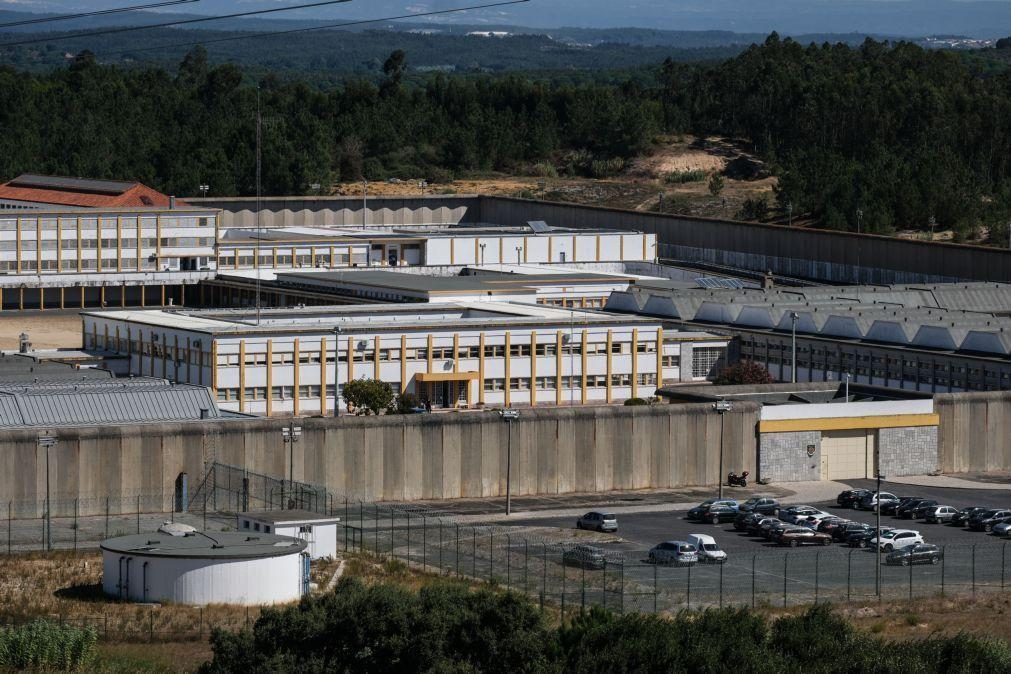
x=569, y=382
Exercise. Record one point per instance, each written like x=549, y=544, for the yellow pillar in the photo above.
x=452, y=251
x=351, y=362
x=635, y=363
x=574, y=248
x=558, y=367
x=403, y=363
x=119, y=243
x=375, y=359
x=82, y=297
x=501, y=250
x=140, y=248
x=59, y=246
x=480, y=369
x=533, y=367
x=122, y=296
x=583, y=372
x=456, y=352
x=621, y=247
x=429, y=352
x=38, y=245
x=294, y=361
x=322, y=376
x=163, y=295
x=598, y=248
x=214, y=366
x=17, y=228
x=80, y=264
x=242, y=375
x=42, y=298
x=270, y=377
x=659, y=358
x=63, y=302
x=143, y=299
x=508, y=369
x=610, y=339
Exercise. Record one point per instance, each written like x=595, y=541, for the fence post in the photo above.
x=544, y=574
x=974, y=570
x=457, y=549
x=654, y=588
x=526, y=564
x=753, y=558
x=509, y=575
x=424, y=541
x=849, y=574
x=786, y=558
x=10, y=522
x=491, y=555
x=944, y=551
x=77, y=510
x=107, y=517
x=910, y=575
x=138, y=515
x=621, y=582
x=473, y=554
x=565, y=573
x=688, y=593
x=582, y=587
x=1003, y=549
x=817, y=555
x=721, y=584
x=408, y=539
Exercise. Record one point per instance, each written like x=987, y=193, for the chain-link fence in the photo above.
x=572, y=574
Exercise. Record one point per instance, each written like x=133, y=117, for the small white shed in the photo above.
x=318, y=531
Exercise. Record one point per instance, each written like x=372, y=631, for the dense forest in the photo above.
x=880, y=136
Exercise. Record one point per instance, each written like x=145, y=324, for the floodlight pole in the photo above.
x=722, y=407
x=47, y=441
x=290, y=435
x=877, y=498
x=509, y=416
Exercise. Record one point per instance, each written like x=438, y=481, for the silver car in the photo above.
x=679, y=553
x=598, y=521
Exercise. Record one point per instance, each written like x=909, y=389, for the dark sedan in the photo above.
x=923, y=553
x=890, y=508
x=745, y=519
x=963, y=516
x=718, y=513
x=907, y=511
x=851, y=497
x=922, y=508
x=795, y=537
x=862, y=539
x=760, y=504
x=699, y=512
x=988, y=519
x=842, y=533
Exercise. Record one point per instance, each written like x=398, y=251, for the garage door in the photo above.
x=847, y=454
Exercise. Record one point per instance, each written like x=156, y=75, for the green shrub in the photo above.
x=45, y=645
x=635, y=402
x=683, y=177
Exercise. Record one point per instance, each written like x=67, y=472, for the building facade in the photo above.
x=455, y=355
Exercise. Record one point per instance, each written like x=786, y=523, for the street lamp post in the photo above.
x=794, y=317
x=47, y=441
x=290, y=434
x=336, y=371
x=509, y=416
x=482, y=253
x=722, y=407
x=519, y=250
x=847, y=376
x=204, y=189
x=877, y=498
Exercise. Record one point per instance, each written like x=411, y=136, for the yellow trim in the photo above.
x=119, y=243
x=621, y=246
x=143, y=294
x=157, y=242
x=270, y=377
x=163, y=295
x=351, y=362
x=452, y=251
x=533, y=367
x=429, y=354
x=525, y=252
x=214, y=367
x=551, y=246
x=508, y=368
x=322, y=376
x=375, y=360
x=59, y=247
x=477, y=250
x=598, y=248
x=42, y=299
x=635, y=362
x=122, y=296
x=140, y=253
x=501, y=250
x=644, y=249
x=610, y=339
x=79, y=262
x=848, y=423
x=480, y=369
x=403, y=363
x=18, y=233
x=456, y=352
x=573, y=247
x=38, y=245
x=425, y=377
x=659, y=358
x=582, y=374
x=558, y=367
x=295, y=396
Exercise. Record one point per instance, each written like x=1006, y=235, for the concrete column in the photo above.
x=296, y=398
x=508, y=369
x=635, y=365
x=270, y=377
x=610, y=338
x=533, y=365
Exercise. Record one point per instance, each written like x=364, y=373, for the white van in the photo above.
x=707, y=548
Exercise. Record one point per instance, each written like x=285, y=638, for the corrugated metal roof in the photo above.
x=99, y=405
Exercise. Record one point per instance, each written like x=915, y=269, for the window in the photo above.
x=255, y=393
x=228, y=359
x=519, y=350
x=494, y=384
x=646, y=347
x=256, y=359
x=547, y=349
x=282, y=358
x=282, y=392
x=308, y=357
x=672, y=361
x=621, y=380
x=546, y=383
x=706, y=360
x=646, y=379
x=308, y=391
x=519, y=384
x=494, y=351
x=226, y=394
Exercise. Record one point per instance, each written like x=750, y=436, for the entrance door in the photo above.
x=847, y=454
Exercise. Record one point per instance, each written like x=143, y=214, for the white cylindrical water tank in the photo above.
x=205, y=568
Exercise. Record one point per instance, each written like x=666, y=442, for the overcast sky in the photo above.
x=982, y=18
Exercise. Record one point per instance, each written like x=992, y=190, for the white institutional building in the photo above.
x=455, y=354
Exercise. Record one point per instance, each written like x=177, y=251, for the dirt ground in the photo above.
x=638, y=187
x=47, y=330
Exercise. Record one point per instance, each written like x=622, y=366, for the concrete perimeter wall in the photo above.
x=975, y=431
x=555, y=451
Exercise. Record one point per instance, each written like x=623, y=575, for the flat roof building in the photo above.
x=459, y=354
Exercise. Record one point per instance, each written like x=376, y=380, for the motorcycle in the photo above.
x=735, y=480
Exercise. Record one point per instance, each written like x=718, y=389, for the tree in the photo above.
x=743, y=372
x=1004, y=43
x=716, y=184
x=368, y=396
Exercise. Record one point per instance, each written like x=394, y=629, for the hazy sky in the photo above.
x=984, y=18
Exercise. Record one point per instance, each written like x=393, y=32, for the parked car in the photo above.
x=897, y=538
x=798, y=513
x=842, y=533
x=851, y=497
x=598, y=521
x=776, y=529
x=921, y=553
x=756, y=526
x=795, y=537
x=830, y=524
x=760, y=504
x=862, y=539
x=707, y=549
x=870, y=501
x=718, y=513
x=744, y=520
x=940, y=514
x=698, y=513
x=680, y=553
x=889, y=507
x=961, y=518
x=584, y=556
x=1002, y=529
x=988, y=519
x=909, y=510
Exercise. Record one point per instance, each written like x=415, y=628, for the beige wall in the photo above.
x=975, y=431
x=555, y=451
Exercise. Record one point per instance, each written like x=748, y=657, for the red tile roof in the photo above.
x=136, y=195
